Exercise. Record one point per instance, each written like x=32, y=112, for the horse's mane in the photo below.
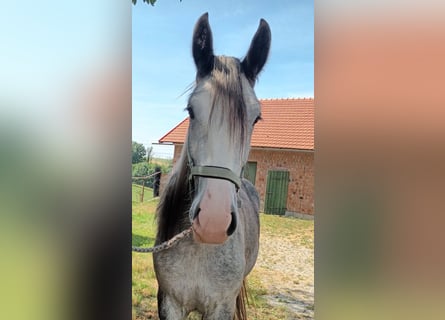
x=175, y=202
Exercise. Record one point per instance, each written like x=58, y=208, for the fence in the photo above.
x=156, y=183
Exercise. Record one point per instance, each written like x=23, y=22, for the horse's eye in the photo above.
x=190, y=111
x=257, y=119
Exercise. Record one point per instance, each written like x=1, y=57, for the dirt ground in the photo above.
x=288, y=274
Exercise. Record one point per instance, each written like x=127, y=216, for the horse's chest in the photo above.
x=191, y=271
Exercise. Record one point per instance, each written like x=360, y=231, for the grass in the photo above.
x=162, y=162
x=137, y=192
x=144, y=285
x=298, y=230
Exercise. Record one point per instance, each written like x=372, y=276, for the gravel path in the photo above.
x=288, y=270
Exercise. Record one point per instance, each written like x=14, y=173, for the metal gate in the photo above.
x=276, y=192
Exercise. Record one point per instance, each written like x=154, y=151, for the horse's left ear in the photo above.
x=258, y=52
x=202, y=46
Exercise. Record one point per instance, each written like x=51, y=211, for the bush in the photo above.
x=142, y=169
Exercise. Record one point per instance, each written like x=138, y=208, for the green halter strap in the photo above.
x=212, y=171
x=216, y=172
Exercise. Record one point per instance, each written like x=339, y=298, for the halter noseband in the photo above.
x=212, y=171
x=215, y=172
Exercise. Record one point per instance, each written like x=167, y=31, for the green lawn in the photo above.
x=144, y=285
x=137, y=192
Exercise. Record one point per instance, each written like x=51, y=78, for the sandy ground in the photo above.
x=288, y=270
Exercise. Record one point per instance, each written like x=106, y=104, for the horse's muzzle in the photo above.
x=215, y=217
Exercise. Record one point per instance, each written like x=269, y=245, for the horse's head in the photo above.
x=223, y=109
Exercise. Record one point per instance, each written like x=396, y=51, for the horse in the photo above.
x=207, y=192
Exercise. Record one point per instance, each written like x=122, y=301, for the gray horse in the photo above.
x=206, y=190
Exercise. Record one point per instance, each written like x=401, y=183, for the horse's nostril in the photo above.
x=232, y=226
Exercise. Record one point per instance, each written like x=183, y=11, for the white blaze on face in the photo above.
x=214, y=147
x=211, y=144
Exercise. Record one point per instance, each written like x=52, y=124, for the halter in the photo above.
x=212, y=171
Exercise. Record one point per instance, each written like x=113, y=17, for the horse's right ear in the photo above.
x=203, y=46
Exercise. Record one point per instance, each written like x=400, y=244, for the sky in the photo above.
x=163, y=67
x=44, y=44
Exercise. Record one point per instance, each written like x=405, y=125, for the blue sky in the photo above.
x=44, y=43
x=163, y=66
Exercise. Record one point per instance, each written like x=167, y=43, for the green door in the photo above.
x=276, y=192
x=250, y=171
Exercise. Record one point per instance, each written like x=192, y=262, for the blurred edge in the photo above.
x=65, y=217
x=65, y=133
x=380, y=141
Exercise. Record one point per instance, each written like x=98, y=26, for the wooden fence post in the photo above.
x=142, y=193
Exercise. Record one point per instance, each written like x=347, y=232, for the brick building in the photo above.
x=281, y=159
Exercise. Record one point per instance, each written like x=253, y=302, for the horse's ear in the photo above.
x=258, y=52
x=203, y=46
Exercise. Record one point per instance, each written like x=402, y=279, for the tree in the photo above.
x=152, y=2
x=137, y=152
x=142, y=169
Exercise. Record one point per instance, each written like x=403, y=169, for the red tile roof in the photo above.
x=287, y=123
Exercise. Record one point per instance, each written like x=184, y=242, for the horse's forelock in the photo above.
x=227, y=93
